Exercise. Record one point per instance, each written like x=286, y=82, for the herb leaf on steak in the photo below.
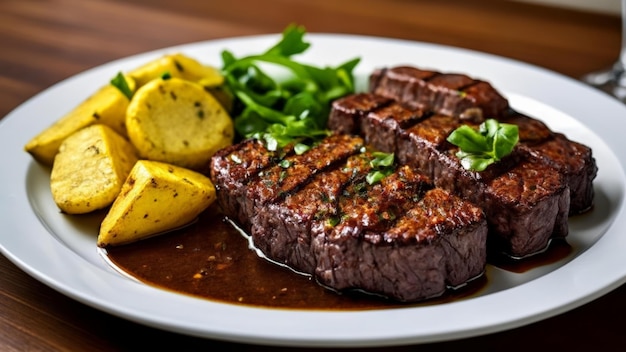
x=481, y=148
x=382, y=165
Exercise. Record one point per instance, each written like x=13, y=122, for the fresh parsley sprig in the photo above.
x=382, y=166
x=480, y=148
x=282, y=101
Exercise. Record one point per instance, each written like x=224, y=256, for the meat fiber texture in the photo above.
x=527, y=197
x=401, y=238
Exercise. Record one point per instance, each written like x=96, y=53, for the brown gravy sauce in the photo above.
x=557, y=250
x=212, y=260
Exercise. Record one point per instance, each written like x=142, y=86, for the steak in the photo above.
x=472, y=101
x=402, y=237
x=526, y=200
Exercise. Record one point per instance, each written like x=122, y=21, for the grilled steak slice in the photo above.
x=399, y=238
x=574, y=160
x=526, y=201
x=443, y=93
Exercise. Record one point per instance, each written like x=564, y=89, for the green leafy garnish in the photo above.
x=485, y=146
x=120, y=83
x=382, y=166
x=281, y=101
x=301, y=148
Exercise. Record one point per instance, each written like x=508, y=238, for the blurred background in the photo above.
x=600, y=6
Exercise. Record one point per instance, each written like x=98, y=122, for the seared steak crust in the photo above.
x=401, y=238
x=525, y=198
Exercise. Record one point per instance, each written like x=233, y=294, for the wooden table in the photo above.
x=45, y=41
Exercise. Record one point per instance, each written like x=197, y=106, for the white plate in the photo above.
x=61, y=252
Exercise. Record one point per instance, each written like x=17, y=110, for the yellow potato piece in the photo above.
x=178, y=122
x=179, y=66
x=107, y=106
x=156, y=197
x=90, y=168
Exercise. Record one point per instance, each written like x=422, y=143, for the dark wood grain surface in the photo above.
x=45, y=41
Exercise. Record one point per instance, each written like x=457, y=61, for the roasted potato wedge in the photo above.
x=90, y=168
x=179, y=66
x=157, y=197
x=107, y=106
x=177, y=122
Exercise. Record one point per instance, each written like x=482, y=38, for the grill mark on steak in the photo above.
x=526, y=201
x=248, y=174
x=382, y=239
x=366, y=211
x=279, y=180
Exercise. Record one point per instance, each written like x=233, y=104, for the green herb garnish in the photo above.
x=301, y=148
x=279, y=100
x=120, y=83
x=485, y=146
x=382, y=166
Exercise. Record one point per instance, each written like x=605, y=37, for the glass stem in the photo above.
x=622, y=55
